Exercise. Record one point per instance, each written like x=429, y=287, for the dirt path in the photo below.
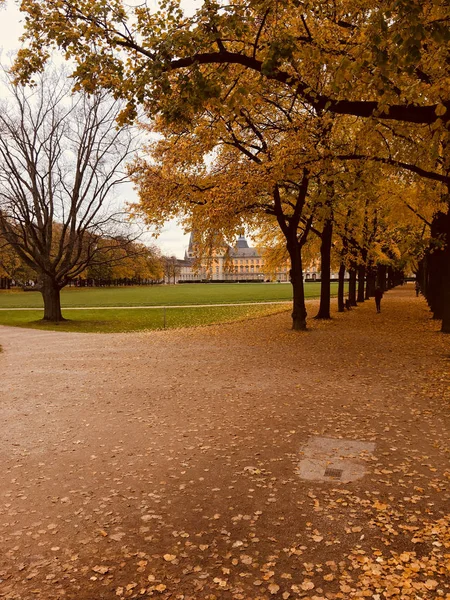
x=165, y=464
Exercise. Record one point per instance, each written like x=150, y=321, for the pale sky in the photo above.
x=172, y=240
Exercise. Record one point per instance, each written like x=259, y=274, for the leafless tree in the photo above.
x=62, y=156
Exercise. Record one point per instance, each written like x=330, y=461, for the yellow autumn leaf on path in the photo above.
x=169, y=557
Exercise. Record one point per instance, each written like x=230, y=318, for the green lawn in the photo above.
x=160, y=295
x=122, y=320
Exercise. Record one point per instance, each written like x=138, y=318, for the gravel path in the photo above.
x=163, y=464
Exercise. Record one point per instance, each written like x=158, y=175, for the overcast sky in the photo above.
x=172, y=240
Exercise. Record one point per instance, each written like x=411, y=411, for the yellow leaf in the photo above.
x=307, y=585
x=100, y=569
x=169, y=557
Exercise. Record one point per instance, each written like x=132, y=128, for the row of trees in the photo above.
x=358, y=216
x=294, y=118
x=116, y=262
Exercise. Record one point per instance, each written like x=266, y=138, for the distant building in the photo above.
x=238, y=263
x=241, y=263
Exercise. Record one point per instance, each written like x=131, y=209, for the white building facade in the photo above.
x=241, y=263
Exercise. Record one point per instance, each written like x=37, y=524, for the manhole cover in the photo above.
x=333, y=473
x=329, y=459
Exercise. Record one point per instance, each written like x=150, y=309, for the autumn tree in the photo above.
x=381, y=225
x=143, y=262
x=117, y=261
x=61, y=159
x=241, y=167
x=384, y=59
x=12, y=268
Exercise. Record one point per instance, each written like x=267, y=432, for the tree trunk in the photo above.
x=52, y=301
x=361, y=279
x=381, y=277
x=325, y=271
x=445, y=328
x=390, y=280
x=437, y=267
x=352, y=286
x=445, y=278
x=296, y=274
x=341, y=303
x=370, y=282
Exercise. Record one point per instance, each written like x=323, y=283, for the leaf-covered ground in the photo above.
x=163, y=464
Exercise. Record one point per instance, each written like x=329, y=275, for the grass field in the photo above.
x=161, y=295
x=122, y=320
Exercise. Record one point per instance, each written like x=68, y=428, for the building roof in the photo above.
x=240, y=250
x=185, y=262
x=242, y=242
x=243, y=252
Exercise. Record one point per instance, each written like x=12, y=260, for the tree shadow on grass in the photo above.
x=83, y=326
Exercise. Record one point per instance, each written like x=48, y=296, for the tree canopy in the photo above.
x=370, y=59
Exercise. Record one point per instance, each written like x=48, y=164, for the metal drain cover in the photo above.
x=329, y=459
x=337, y=473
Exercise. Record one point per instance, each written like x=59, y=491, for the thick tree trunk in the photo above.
x=437, y=267
x=445, y=328
x=296, y=274
x=421, y=275
x=381, y=277
x=352, y=287
x=325, y=271
x=361, y=280
x=341, y=303
x=51, y=293
x=370, y=282
x=445, y=278
x=434, y=297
